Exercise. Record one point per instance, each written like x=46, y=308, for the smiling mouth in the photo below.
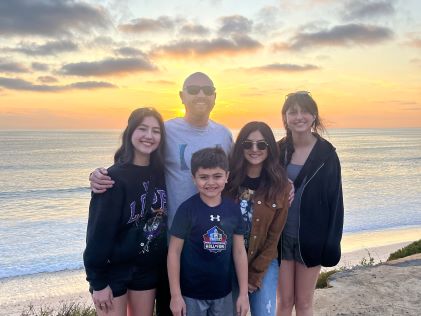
x=147, y=143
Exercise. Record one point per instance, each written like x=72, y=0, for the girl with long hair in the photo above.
x=126, y=237
x=313, y=231
x=259, y=184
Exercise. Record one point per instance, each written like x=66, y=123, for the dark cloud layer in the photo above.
x=47, y=79
x=286, y=68
x=49, y=18
x=142, y=25
x=23, y=85
x=12, y=67
x=341, y=35
x=194, y=29
x=49, y=48
x=235, y=24
x=129, y=51
x=187, y=48
x=39, y=66
x=355, y=10
x=110, y=66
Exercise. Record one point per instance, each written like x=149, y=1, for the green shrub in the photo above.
x=411, y=249
x=72, y=309
x=322, y=280
x=367, y=262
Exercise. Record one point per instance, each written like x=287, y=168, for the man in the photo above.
x=184, y=136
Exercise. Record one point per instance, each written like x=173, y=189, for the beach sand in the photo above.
x=53, y=289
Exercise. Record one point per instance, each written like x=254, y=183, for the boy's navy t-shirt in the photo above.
x=206, y=263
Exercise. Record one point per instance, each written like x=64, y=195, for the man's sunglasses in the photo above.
x=194, y=90
x=260, y=144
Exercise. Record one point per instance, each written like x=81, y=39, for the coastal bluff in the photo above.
x=391, y=288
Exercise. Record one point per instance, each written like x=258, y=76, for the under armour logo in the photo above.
x=217, y=218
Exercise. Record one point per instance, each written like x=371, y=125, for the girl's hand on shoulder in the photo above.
x=103, y=299
x=178, y=306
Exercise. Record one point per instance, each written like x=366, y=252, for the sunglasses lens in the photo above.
x=261, y=145
x=193, y=90
x=247, y=144
x=208, y=90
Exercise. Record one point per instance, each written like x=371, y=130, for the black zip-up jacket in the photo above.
x=321, y=207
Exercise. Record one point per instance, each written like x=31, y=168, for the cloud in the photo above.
x=23, y=85
x=358, y=9
x=189, y=48
x=49, y=18
x=9, y=67
x=194, y=29
x=129, y=51
x=47, y=79
x=89, y=85
x=110, y=66
x=268, y=19
x=285, y=68
x=49, y=48
x=341, y=35
x=235, y=24
x=143, y=25
x=39, y=66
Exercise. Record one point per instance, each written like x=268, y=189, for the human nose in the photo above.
x=148, y=133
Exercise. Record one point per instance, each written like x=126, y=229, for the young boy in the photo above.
x=206, y=235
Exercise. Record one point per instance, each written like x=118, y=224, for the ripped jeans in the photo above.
x=263, y=301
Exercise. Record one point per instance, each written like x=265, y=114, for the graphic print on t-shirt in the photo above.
x=215, y=240
x=246, y=206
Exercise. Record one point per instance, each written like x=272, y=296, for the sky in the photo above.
x=74, y=64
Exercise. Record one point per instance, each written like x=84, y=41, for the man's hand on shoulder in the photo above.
x=100, y=181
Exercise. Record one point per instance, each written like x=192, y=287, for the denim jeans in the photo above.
x=262, y=301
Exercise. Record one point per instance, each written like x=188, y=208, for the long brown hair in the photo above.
x=273, y=176
x=304, y=100
x=125, y=154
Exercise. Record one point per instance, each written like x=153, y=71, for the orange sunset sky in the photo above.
x=87, y=64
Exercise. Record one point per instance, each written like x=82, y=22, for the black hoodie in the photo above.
x=321, y=206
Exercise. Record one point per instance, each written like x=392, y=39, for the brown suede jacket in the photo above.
x=269, y=219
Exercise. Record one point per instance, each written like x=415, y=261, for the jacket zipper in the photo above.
x=299, y=211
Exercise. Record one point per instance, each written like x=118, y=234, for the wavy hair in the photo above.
x=273, y=176
x=125, y=154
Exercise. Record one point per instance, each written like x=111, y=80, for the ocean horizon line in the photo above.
x=232, y=128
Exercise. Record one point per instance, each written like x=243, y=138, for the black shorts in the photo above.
x=121, y=279
x=290, y=249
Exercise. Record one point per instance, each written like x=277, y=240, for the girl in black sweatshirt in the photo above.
x=126, y=237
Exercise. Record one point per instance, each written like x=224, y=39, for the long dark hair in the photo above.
x=125, y=154
x=304, y=100
x=273, y=177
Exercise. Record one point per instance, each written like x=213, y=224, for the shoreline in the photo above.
x=69, y=286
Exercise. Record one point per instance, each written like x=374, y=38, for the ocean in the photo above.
x=44, y=194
